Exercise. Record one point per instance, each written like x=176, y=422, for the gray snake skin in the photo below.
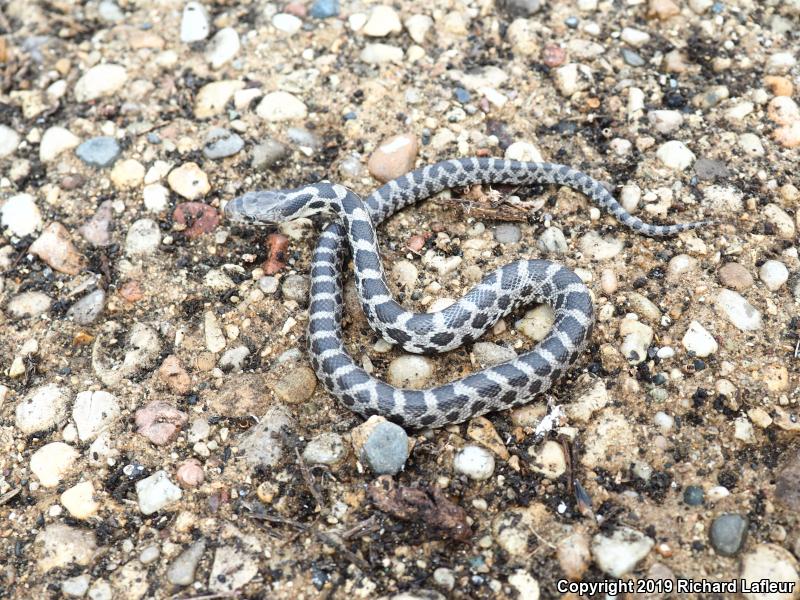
x=502, y=386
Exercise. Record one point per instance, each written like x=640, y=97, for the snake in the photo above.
x=352, y=232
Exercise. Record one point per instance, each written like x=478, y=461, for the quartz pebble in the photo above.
x=9, y=141
x=507, y=233
x=738, y=310
x=769, y=562
x=774, y=274
x=418, y=27
x=79, y=500
x=223, y=47
x=410, y=371
x=61, y=545
x=780, y=220
x=55, y=247
x=675, y=155
x=382, y=21
x=195, y=25
x=377, y=54
x=155, y=197
x=281, y=106
x=55, y=141
x=325, y=449
x=552, y=241
x=549, y=460
x=20, y=216
x=52, y=462
x=181, y=570
x=43, y=408
x=189, y=181
x=76, y=587
x=93, y=412
x=523, y=151
x=573, y=78
x=144, y=237
x=618, y=553
x=698, y=341
x=475, y=462
x=156, y=493
x=127, y=174
x=536, y=323
x=287, y=23
x=101, y=80
x=29, y=304
x=212, y=97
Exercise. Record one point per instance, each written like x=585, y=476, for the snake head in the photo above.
x=267, y=206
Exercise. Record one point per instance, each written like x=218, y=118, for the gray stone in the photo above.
x=552, y=241
x=262, y=444
x=520, y=8
x=325, y=449
x=507, y=233
x=268, y=153
x=181, y=571
x=99, y=151
x=295, y=287
x=221, y=143
x=86, y=310
x=707, y=169
x=632, y=58
x=386, y=449
x=728, y=533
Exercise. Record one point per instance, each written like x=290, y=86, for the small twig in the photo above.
x=9, y=495
x=368, y=525
x=541, y=539
x=308, y=478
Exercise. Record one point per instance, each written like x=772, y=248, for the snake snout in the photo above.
x=256, y=207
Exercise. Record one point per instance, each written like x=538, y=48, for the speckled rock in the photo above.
x=189, y=181
x=772, y=563
x=221, y=143
x=41, y=409
x=296, y=386
x=728, y=533
x=160, y=422
x=385, y=449
x=735, y=276
x=144, y=237
x=262, y=444
x=29, y=304
x=325, y=449
x=475, y=462
x=93, y=412
x=156, y=493
x=61, y=545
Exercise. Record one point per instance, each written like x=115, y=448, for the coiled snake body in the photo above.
x=502, y=386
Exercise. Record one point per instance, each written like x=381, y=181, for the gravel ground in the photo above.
x=161, y=433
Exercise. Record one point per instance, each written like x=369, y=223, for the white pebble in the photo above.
x=523, y=151
x=195, y=24
x=9, y=140
x=699, y=341
x=51, y=462
x=100, y=80
x=287, y=23
x=475, y=462
x=281, y=106
x=55, y=141
x=20, y=215
x=143, y=238
x=409, y=371
x=382, y=21
x=156, y=197
x=223, y=47
x=774, y=274
x=738, y=310
x=156, y=492
x=675, y=155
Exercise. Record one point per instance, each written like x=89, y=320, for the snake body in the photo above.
x=497, y=387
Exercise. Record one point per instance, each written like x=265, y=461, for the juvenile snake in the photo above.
x=502, y=386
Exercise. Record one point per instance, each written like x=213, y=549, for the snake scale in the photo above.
x=497, y=387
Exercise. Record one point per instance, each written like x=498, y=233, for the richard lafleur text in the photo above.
x=615, y=587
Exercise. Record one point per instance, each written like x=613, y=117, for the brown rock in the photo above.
x=196, y=217
x=574, y=555
x=245, y=394
x=394, y=157
x=788, y=136
x=662, y=9
x=783, y=111
x=554, y=56
x=734, y=276
x=482, y=431
x=787, y=488
x=159, y=422
x=55, y=247
x=296, y=386
x=779, y=86
x=131, y=291
x=277, y=246
x=174, y=375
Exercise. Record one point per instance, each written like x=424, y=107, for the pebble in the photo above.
x=181, y=571
x=393, y=157
x=156, y=492
x=99, y=152
x=595, y=247
x=488, y=354
x=150, y=554
x=525, y=584
x=675, y=155
x=195, y=25
x=782, y=110
x=197, y=218
x=262, y=445
x=325, y=449
x=637, y=339
x=20, y=216
x=382, y=21
x=738, y=310
x=287, y=23
x=101, y=80
x=79, y=500
x=405, y=274
x=693, y=495
x=788, y=136
x=664, y=422
x=231, y=569
x=212, y=98
x=160, y=422
x=233, y=360
x=574, y=555
x=52, y=462
x=780, y=220
x=43, y=408
x=774, y=274
x=221, y=143
x=144, y=237
x=589, y=402
x=618, y=553
x=55, y=247
x=156, y=197
x=410, y=371
x=751, y=144
x=521, y=8
x=324, y=9
x=634, y=37
x=190, y=473
x=780, y=63
x=418, y=27
x=268, y=153
x=631, y=58
x=76, y=587
x=548, y=460
x=9, y=141
x=296, y=287
x=698, y=341
x=665, y=121
x=28, y=305
x=523, y=151
x=174, y=375
x=223, y=47
x=376, y=54
x=296, y=386
x=268, y=284
x=573, y=78
x=475, y=462
x=189, y=181
x=281, y=106
x=385, y=449
x=770, y=563
x=536, y=323
x=55, y=141
x=93, y=412
x=707, y=169
x=552, y=241
x=127, y=174
x=61, y=545
x=735, y=276
x=444, y=578
x=507, y=233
